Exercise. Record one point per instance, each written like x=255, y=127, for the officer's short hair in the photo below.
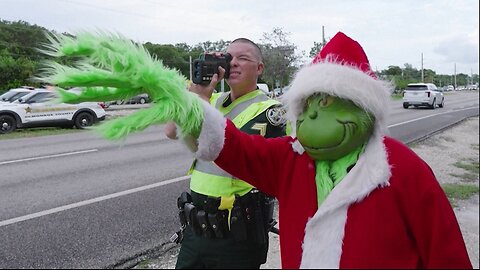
x=258, y=51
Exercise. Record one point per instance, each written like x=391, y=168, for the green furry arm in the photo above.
x=110, y=67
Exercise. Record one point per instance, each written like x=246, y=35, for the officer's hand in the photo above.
x=170, y=130
x=205, y=91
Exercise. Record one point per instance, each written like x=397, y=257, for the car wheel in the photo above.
x=405, y=105
x=7, y=124
x=142, y=101
x=434, y=104
x=441, y=104
x=84, y=119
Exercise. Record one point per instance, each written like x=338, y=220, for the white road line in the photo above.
x=416, y=119
x=87, y=202
x=113, y=195
x=49, y=156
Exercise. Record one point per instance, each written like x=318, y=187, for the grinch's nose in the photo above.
x=313, y=114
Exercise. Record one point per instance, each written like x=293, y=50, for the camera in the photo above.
x=207, y=65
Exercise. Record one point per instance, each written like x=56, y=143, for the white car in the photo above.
x=14, y=94
x=40, y=109
x=422, y=94
x=264, y=88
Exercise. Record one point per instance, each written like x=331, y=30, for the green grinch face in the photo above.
x=331, y=127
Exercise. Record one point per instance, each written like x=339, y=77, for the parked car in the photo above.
x=278, y=92
x=422, y=94
x=264, y=88
x=40, y=109
x=78, y=90
x=140, y=99
x=472, y=87
x=15, y=93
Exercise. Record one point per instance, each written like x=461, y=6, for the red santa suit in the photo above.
x=389, y=211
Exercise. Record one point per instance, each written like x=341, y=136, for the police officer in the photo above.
x=226, y=217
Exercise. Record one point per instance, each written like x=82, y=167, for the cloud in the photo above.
x=460, y=49
x=391, y=32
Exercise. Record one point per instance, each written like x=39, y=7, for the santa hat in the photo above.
x=340, y=69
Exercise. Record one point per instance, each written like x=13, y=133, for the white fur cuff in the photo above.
x=212, y=135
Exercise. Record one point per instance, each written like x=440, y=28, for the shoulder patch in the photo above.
x=276, y=116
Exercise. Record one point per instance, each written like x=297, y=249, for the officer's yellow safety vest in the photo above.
x=207, y=178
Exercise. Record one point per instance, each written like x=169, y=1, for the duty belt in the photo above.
x=251, y=216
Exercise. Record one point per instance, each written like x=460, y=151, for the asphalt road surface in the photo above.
x=78, y=201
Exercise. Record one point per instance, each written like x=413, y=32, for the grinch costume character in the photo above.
x=349, y=196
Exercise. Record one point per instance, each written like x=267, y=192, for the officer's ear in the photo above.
x=260, y=67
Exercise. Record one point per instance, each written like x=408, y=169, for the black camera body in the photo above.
x=207, y=65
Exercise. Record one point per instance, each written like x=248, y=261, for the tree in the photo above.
x=317, y=46
x=15, y=72
x=20, y=59
x=279, y=58
x=411, y=73
x=462, y=79
x=171, y=56
x=428, y=75
x=209, y=46
x=393, y=71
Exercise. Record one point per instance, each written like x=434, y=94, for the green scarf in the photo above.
x=330, y=173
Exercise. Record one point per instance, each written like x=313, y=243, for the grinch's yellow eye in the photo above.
x=326, y=101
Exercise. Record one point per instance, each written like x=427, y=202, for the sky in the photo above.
x=442, y=33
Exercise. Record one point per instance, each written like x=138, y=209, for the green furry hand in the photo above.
x=111, y=67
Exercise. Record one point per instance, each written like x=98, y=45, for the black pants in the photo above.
x=199, y=252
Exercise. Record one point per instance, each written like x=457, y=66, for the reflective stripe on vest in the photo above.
x=209, y=179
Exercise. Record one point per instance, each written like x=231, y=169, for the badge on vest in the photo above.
x=276, y=116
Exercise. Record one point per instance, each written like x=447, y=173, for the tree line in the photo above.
x=20, y=59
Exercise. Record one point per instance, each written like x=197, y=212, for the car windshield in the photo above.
x=12, y=96
x=39, y=97
x=7, y=95
x=417, y=87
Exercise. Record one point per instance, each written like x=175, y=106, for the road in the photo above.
x=78, y=201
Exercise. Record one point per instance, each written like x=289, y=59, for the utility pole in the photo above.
x=323, y=36
x=422, y=69
x=190, y=62
x=455, y=76
x=471, y=76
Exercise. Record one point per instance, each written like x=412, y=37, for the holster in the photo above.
x=268, y=209
x=191, y=216
x=259, y=233
x=184, y=198
x=238, y=222
x=204, y=224
x=218, y=223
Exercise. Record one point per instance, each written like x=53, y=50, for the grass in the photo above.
x=465, y=177
x=469, y=165
x=143, y=264
x=456, y=192
x=475, y=146
x=459, y=192
x=37, y=132
x=397, y=96
x=43, y=131
x=447, y=138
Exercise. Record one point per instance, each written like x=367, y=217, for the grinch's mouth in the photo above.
x=349, y=129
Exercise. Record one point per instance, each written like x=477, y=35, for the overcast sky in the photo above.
x=391, y=32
